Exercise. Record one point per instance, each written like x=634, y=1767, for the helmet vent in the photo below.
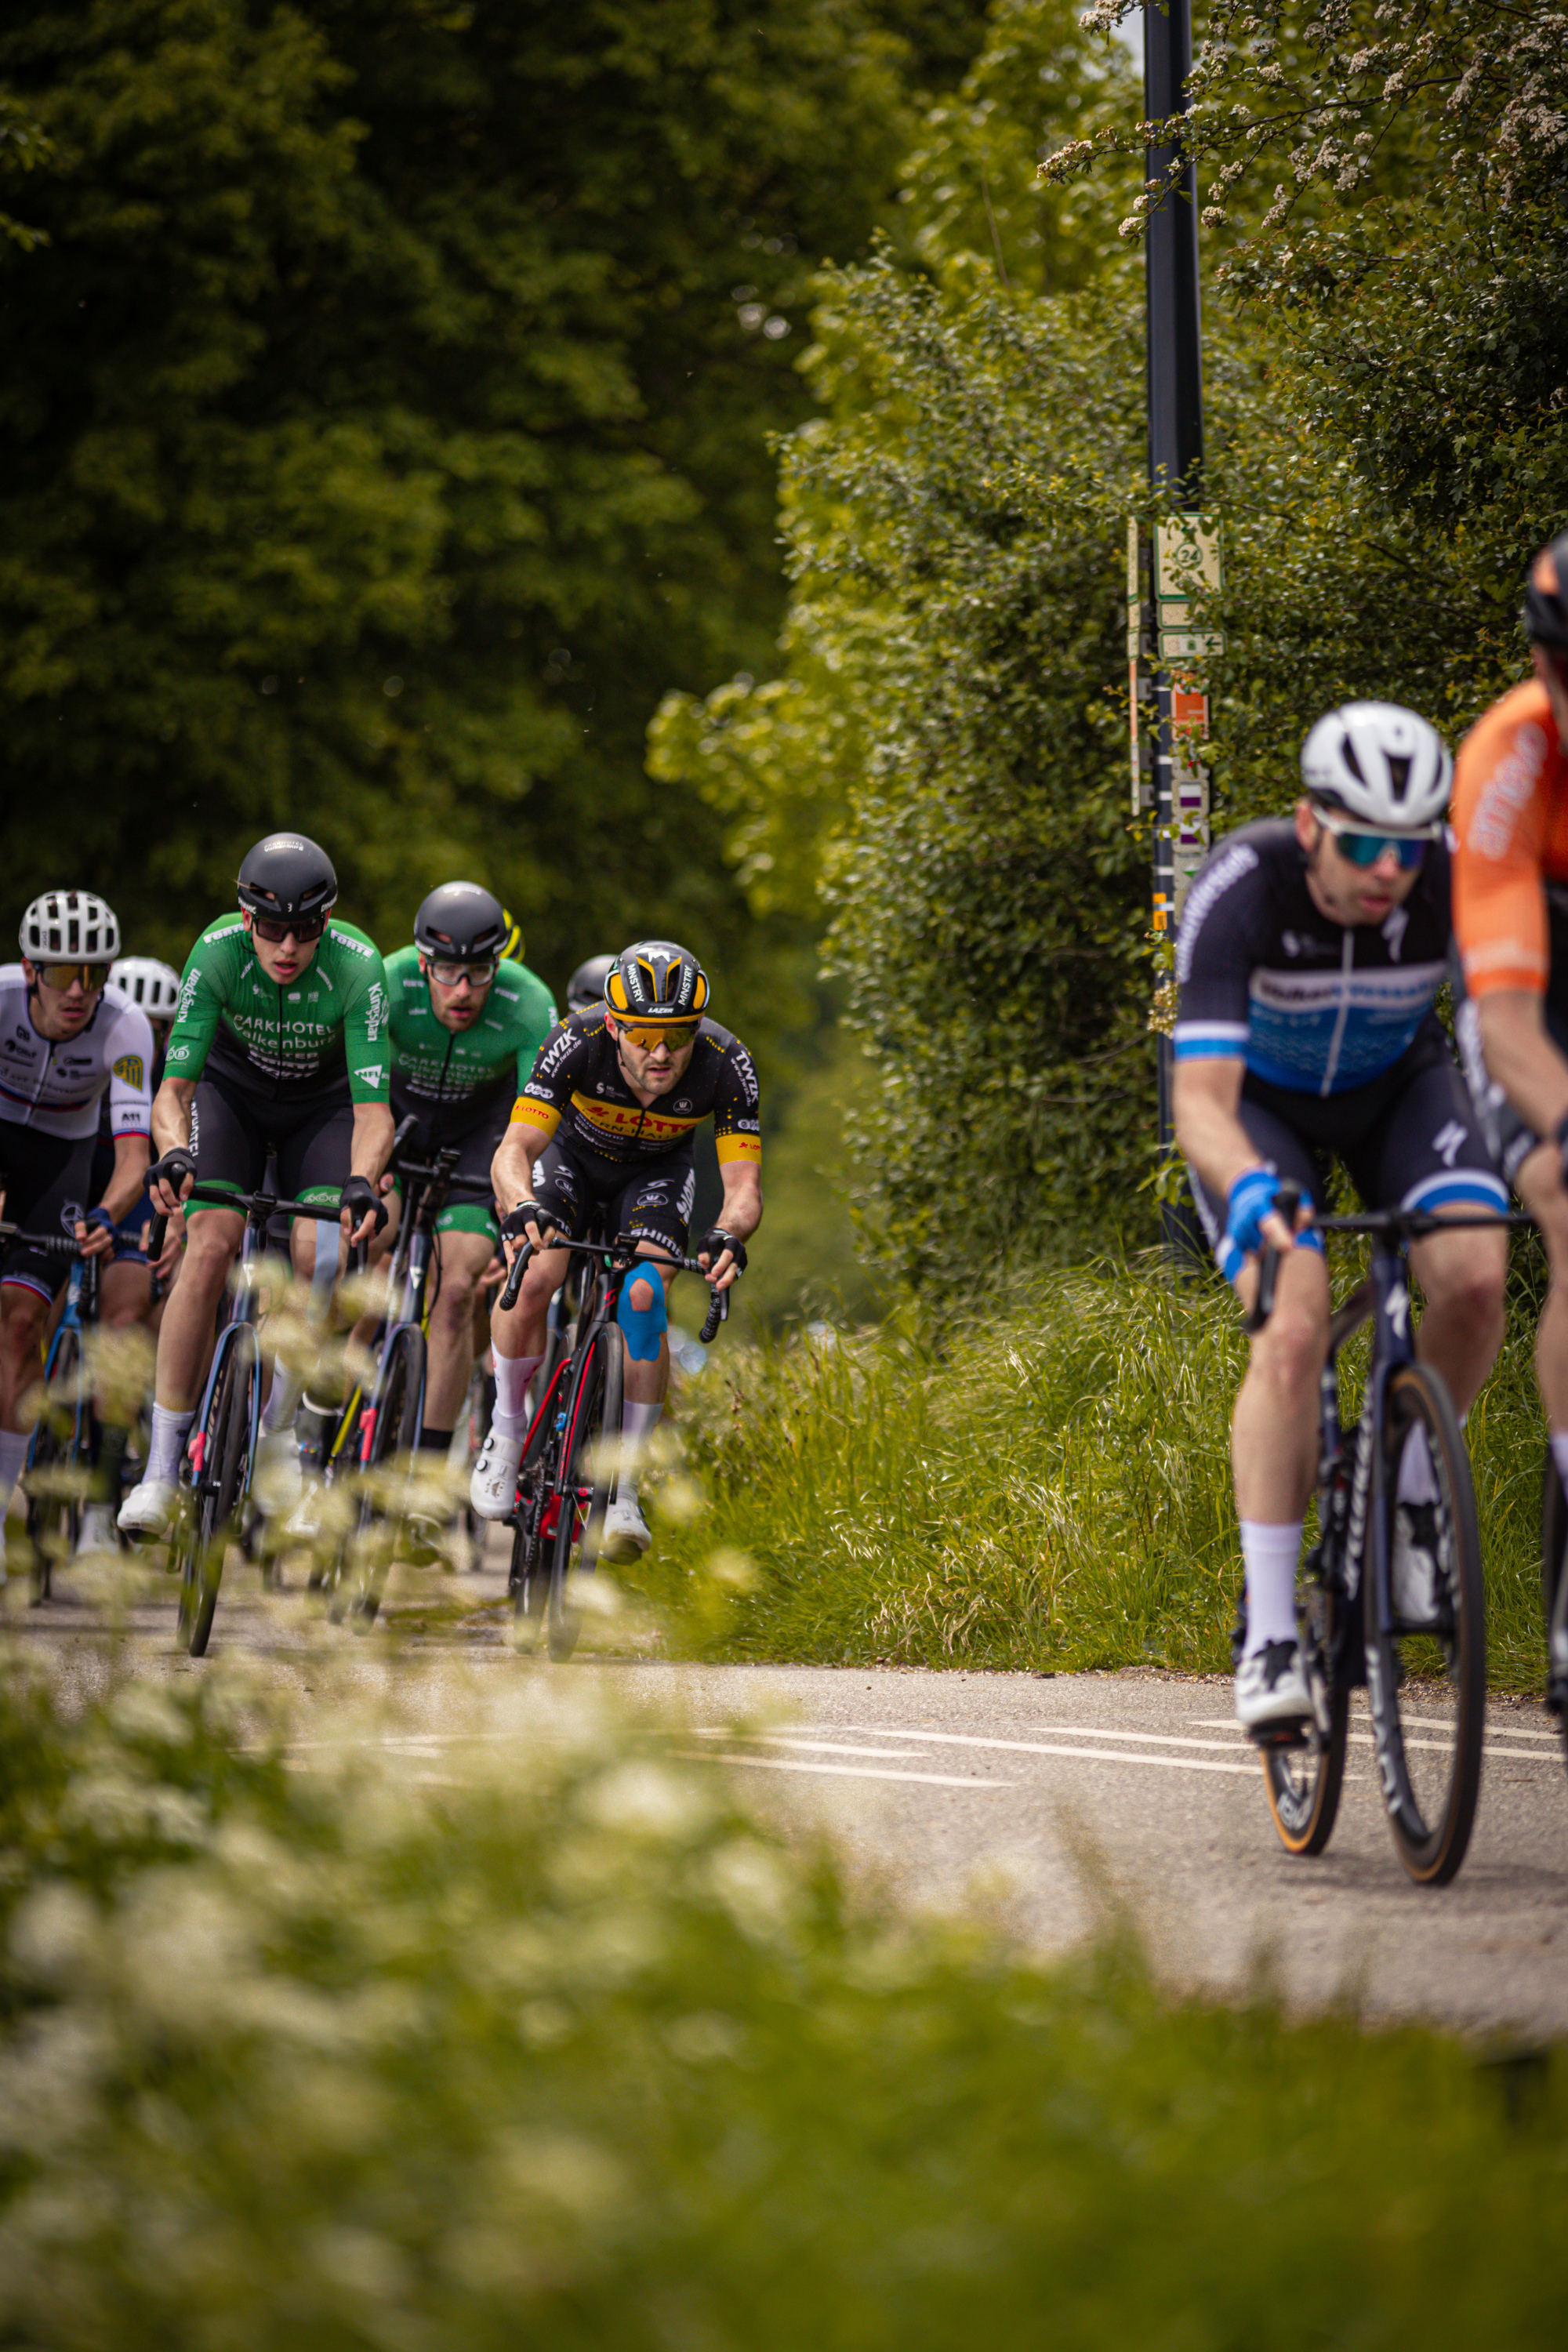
x=1348, y=754
x=1398, y=775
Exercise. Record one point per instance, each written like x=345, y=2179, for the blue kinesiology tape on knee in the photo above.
x=324, y=1268
x=645, y=1327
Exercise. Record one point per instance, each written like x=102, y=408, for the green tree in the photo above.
x=383, y=428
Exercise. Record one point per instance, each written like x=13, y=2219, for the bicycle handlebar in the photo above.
x=47, y=1244
x=1388, y=1224
x=718, y=1305
x=256, y=1207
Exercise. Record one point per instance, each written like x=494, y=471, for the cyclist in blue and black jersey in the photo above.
x=1311, y=952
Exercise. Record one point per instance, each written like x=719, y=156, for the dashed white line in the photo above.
x=845, y=1771
x=1095, y=1755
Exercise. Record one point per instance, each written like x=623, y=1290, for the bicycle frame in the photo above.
x=79, y=1316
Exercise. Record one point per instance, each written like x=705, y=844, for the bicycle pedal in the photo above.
x=1272, y=1738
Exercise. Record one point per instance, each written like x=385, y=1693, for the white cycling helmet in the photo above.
x=1379, y=765
x=149, y=984
x=69, y=923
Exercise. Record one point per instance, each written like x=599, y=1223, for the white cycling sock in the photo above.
x=637, y=1423
x=284, y=1401
x=1270, y=1554
x=1417, y=1481
x=1560, y=1454
x=168, y=1444
x=13, y=1462
x=513, y=1374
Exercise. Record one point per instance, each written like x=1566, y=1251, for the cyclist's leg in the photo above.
x=42, y=1172
x=314, y=1145
x=519, y=1335
x=656, y=1205
x=466, y=1240
x=1275, y=1429
x=1428, y=1151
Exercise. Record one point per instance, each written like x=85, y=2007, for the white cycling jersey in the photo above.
x=54, y=1085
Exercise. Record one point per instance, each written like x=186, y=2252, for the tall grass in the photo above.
x=548, y=2042
x=1044, y=1484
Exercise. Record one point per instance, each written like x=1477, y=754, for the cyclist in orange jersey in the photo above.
x=1510, y=925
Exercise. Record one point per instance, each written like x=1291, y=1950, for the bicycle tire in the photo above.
x=1432, y=1824
x=1554, y=1580
x=527, y=1578
x=586, y=1480
x=396, y=1403
x=224, y=1478
x=54, y=1519
x=1304, y=1783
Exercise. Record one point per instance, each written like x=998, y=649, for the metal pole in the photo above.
x=1175, y=407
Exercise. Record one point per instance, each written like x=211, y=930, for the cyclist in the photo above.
x=68, y=1038
x=279, y=1041
x=1309, y=957
x=465, y=1026
x=129, y=1290
x=607, y=1118
x=1511, y=917
x=586, y=988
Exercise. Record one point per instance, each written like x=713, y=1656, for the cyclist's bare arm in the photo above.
x=1521, y=1058
x=1204, y=1099
x=171, y=1131
x=511, y=1170
x=741, y=1214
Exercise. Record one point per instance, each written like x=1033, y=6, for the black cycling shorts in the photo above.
x=49, y=1185
x=233, y=1127
x=477, y=1139
x=655, y=1198
x=1410, y=1139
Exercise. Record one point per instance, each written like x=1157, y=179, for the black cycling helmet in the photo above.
x=656, y=980
x=287, y=875
x=586, y=988
x=1545, y=614
x=461, y=923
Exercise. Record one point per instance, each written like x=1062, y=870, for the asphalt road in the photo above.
x=1042, y=1800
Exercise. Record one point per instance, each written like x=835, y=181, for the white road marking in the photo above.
x=829, y=1747
x=845, y=1771
x=1095, y=1755
x=1444, y=1744
x=1059, y=1731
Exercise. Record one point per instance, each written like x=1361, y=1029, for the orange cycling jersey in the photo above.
x=1511, y=814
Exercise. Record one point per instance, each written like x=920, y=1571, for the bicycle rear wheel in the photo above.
x=533, y=1522
x=586, y=1482
x=222, y=1479
x=1431, y=1781
x=392, y=1437
x=1304, y=1781
x=53, y=1458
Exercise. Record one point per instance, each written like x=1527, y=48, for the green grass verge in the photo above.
x=1045, y=1484
x=568, y=2050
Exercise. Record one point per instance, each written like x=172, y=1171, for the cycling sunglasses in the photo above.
x=1365, y=848
x=92, y=976
x=480, y=974
x=276, y=929
x=667, y=1033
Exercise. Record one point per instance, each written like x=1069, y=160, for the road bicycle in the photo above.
x=1554, y=1593
x=220, y=1453
x=567, y=1475
x=1350, y=1631
x=64, y=1444
x=378, y=1431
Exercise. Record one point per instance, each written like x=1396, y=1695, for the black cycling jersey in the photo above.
x=1313, y=1006
x=577, y=1087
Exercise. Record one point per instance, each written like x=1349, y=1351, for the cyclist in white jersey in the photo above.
x=66, y=1038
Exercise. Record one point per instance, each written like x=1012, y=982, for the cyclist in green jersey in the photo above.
x=466, y=1026
x=279, y=1045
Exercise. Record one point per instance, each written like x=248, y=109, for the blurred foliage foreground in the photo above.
x=556, y=2044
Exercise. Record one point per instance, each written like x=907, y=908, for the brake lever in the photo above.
x=514, y=1279
x=1287, y=1201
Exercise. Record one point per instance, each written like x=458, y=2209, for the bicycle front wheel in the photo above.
x=391, y=1433
x=1430, y=1764
x=587, y=1481
x=1304, y=1781
x=222, y=1479
x=1554, y=1593
x=52, y=1479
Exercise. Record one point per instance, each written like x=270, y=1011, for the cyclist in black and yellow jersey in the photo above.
x=608, y=1121
x=279, y=1044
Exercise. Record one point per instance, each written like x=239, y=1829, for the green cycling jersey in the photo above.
x=466, y=1070
x=287, y=1040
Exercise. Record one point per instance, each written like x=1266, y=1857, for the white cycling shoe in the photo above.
x=279, y=1482
x=1270, y=1686
x=96, y=1532
x=148, y=1509
x=308, y=1517
x=492, y=1489
x=626, y=1534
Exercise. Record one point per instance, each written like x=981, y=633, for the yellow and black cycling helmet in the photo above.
x=655, y=980
x=513, y=944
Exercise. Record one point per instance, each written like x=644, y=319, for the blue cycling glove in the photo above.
x=1250, y=1199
